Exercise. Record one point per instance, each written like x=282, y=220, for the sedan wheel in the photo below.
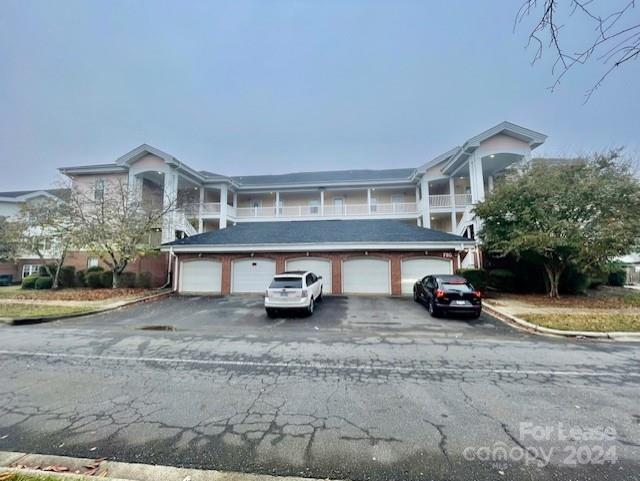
x=415, y=295
x=311, y=307
x=433, y=310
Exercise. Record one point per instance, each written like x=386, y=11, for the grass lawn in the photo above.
x=15, y=292
x=596, y=321
x=606, y=297
x=21, y=311
x=7, y=476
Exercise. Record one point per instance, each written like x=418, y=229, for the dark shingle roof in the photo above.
x=326, y=176
x=14, y=194
x=319, y=232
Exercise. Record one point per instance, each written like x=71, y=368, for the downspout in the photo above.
x=169, y=271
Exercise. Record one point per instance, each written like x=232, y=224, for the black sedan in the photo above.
x=448, y=294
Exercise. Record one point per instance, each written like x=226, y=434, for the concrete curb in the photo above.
x=535, y=328
x=117, y=471
x=25, y=321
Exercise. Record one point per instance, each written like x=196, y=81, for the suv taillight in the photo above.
x=478, y=294
x=439, y=293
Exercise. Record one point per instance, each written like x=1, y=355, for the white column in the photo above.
x=369, y=201
x=322, y=202
x=277, y=203
x=169, y=202
x=223, y=206
x=235, y=199
x=476, y=178
x=200, y=220
x=424, y=191
x=452, y=197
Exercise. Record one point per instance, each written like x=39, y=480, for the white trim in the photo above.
x=318, y=247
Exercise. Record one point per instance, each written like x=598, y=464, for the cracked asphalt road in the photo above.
x=367, y=388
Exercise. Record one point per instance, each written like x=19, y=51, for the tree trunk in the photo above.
x=554, y=272
x=116, y=279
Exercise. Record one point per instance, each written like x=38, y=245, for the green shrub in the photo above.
x=127, y=279
x=144, y=280
x=44, y=282
x=29, y=282
x=42, y=270
x=94, y=280
x=572, y=281
x=95, y=269
x=477, y=277
x=503, y=280
x=67, y=276
x=617, y=277
x=107, y=279
x=81, y=280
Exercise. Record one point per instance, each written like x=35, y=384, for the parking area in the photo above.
x=343, y=316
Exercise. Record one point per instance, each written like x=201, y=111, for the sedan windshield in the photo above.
x=286, y=283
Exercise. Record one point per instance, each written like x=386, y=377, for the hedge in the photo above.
x=144, y=280
x=44, y=282
x=477, y=277
x=94, y=280
x=617, y=277
x=95, y=269
x=127, y=279
x=106, y=278
x=81, y=280
x=502, y=280
x=67, y=276
x=29, y=282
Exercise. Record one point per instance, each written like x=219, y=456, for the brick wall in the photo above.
x=336, y=258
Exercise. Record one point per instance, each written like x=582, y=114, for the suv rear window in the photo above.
x=286, y=283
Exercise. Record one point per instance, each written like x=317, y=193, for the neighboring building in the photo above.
x=632, y=266
x=10, y=205
x=365, y=230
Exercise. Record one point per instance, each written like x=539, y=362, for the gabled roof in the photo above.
x=318, y=232
x=533, y=138
x=24, y=195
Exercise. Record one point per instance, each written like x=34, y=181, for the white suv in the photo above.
x=293, y=290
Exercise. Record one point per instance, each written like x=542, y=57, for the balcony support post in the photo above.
x=369, y=201
x=277, y=203
x=452, y=197
x=223, y=206
x=322, y=202
x=169, y=203
x=200, y=220
x=424, y=192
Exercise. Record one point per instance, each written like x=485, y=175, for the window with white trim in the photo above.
x=314, y=207
x=28, y=269
x=98, y=192
x=92, y=262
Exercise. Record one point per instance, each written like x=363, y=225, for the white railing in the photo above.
x=181, y=222
x=330, y=210
x=443, y=201
x=204, y=209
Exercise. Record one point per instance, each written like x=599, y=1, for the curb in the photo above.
x=25, y=321
x=536, y=329
x=117, y=471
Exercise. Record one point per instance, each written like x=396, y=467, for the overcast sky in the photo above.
x=242, y=87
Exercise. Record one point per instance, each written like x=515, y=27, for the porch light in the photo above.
x=492, y=156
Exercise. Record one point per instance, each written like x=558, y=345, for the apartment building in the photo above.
x=364, y=231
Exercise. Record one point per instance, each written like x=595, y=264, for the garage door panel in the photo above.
x=252, y=275
x=366, y=276
x=201, y=277
x=414, y=269
x=317, y=265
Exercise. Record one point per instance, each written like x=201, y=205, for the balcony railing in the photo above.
x=444, y=201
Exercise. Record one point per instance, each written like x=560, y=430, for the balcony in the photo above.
x=444, y=201
x=211, y=210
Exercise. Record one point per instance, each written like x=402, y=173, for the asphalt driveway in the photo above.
x=339, y=315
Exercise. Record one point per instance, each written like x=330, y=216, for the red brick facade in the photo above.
x=336, y=258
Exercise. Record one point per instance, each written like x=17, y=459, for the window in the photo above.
x=314, y=207
x=280, y=207
x=92, y=262
x=338, y=206
x=29, y=269
x=310, y=279
x=286, y=283
x=98, y=193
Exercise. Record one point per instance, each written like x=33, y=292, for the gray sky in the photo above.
x=267, y=86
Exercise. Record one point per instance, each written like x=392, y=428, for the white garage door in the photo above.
x=200, y=277
x=252, y=275
x=317, y=265
x=366, y=276
x=414, y=269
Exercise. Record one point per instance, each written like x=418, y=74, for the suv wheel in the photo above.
x=311, y=307
x=415, y=296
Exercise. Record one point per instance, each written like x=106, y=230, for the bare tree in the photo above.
x=615, y=40
x=9, y=240
x=48, y=229
x=117, y=225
